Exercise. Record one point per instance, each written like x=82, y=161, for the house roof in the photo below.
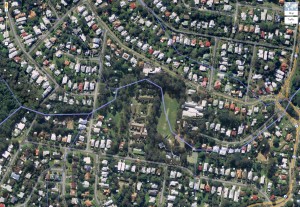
x=272, y=198
x=88, y=203
x=289, y=31
x=283, y=66
x=167, y=13
x=87, y=176
x=232, y=106
x=95, y=27
x=207, y=44
x=73, y=185
x=32, y=14
x=207, y=188
x=254, y=197
x=36, y=152
x=239, y=173
x=132, y=5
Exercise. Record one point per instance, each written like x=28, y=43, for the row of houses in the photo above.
x=35, y=76
x=224, y=192
x=211, y=3
x=21, y=22
x=272, y=77
x=257, y=16
x=67, y=139
x=86, y=168
x=196, y=109
x=145, y=47
x=120, y=53
x=19, y=127
x=98, y=129
x=5, y=158
x=268, y=55
x=2, y=21
x=63, y=4
x=182, y=39
x=104, y=184
x=90, y=21
x=174, y=187
x=242, y=174
x=236, y=48
x=20, y=173
x=120, y=167
x=13, y=51
x=176, y=17
x=70, y=100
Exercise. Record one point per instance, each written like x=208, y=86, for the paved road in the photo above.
x=40, y=179
x=160, y=164
x=145, y=161
x=161, y=199
x=172, y=73
x=206, y=35
x=250, y=102
x=16, y=155
x=236, y=12
x=111, y=34
x=53, y=9
x=28, y=56
x=55, y=26
x=9, y=167
x=64, y=173
x=250, y=72
x=292, y=165
x=192, y=174
x=192, y=9
x=274, y=8
x=96, y=92
x=96, y=166
x=214, y=63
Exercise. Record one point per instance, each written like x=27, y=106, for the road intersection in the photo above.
x=111, y=35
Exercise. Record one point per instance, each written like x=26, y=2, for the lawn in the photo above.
x=171, y=108
x=117, y=119
x=192, y=159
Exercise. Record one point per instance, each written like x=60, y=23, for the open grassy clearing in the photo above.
x=171, y=107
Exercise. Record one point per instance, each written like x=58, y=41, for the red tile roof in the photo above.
x=132, y=5
x=207, y=44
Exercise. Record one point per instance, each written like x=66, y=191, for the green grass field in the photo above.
x=171, y=107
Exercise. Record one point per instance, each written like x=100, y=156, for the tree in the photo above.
x=276, y=142
x=264, y=147
x=69, y=157
x=271, y=167
x=289, y=204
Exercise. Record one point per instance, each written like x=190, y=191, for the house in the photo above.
x=205, y=167
x=225, y=192
x=239, y=173
x=15, y=176
x=262, y=180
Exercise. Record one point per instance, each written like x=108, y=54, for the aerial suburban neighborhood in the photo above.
x=155, y=103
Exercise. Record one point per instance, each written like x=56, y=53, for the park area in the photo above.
x=171, y=108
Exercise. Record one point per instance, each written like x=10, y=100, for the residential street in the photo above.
x=243, y=142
